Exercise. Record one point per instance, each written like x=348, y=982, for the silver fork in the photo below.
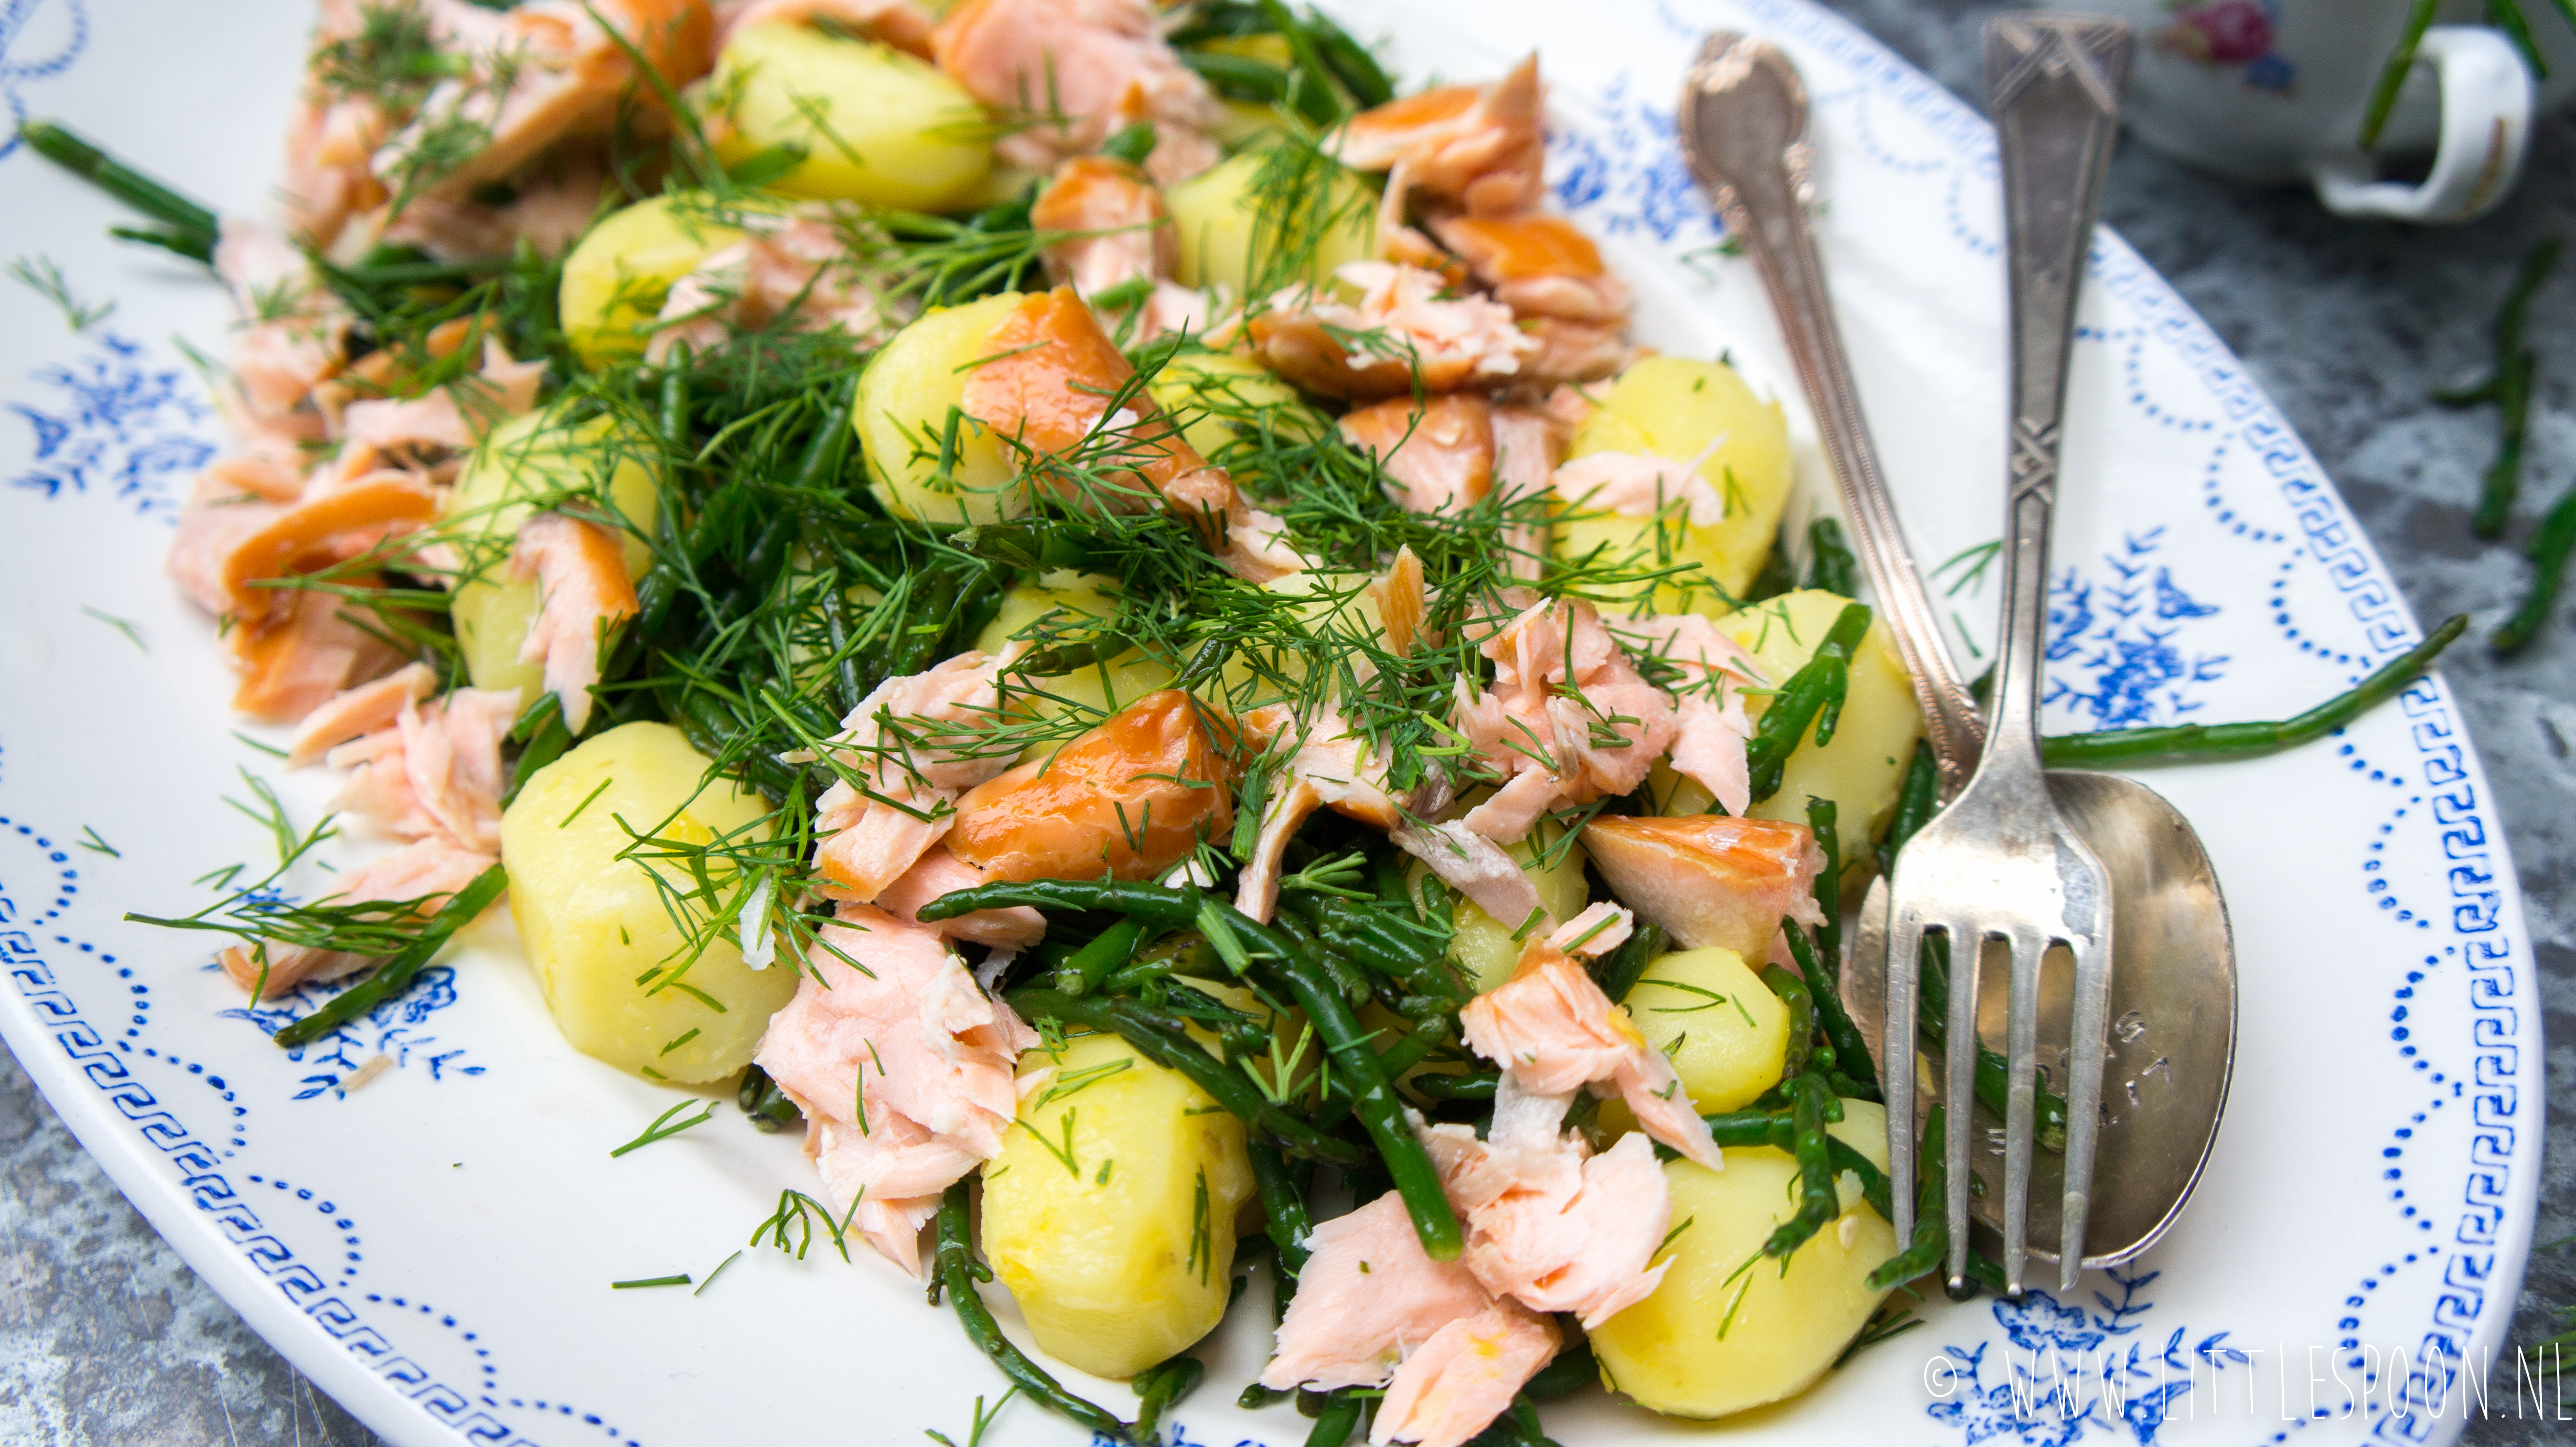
x=2000, y=864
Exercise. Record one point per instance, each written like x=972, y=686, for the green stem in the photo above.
x=1623, y=967
x=2503, y=477
x=2548, y=549
x=1111, y=948
x=1283, y=1203
x=1813, y=695
x=194, y=227
x=1162, y=1041
x=1159, y=1387
x=2210, y=743
x=955, y=1271
x=1335, y=1423
x=1818, y=1202
x=1793, y=992
x=2392, y=76
x=1830, y=564
x=396, y=975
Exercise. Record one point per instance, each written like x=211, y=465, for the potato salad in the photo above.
x=1089, y=606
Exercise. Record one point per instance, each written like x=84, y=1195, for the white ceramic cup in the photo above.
x=2275, y=90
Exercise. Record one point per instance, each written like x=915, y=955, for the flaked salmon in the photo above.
x=358, y=711
x=1549, y=1224
x=913, y=744
x=330, y=528
x=902, y=1066
x=301, y=655
x=1125, y=233
x=1711, y=728
x=1404, y=334
x=1712, y=880
x=1130, y=799
x=1473, y=865
x=1122, y=237
x=1327, y=762
x=799, y=276
x=1367, y=1298
x=1568, y=720
x=544, y=72
x=583, y=593
x=1465, y=1376
x=1068, y=73
x=436, y=772
x=1480, y=147
x=1438, y=454
x=1539, y=266
x=425, y=872
x=939, y=872
x=1554, y=1032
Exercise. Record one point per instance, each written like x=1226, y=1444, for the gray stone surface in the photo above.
x=106, y=1338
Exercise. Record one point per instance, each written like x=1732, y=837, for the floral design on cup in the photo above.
x=2229, y=32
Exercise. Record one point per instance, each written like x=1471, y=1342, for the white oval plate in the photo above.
x=436, y=1248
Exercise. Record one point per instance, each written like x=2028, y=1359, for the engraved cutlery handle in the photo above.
x=1743, y=118
x=2053, y=87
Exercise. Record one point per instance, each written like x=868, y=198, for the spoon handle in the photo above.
x=1743, y=119
x=2053, y=92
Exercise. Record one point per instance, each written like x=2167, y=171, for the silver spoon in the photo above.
x=1743, y=119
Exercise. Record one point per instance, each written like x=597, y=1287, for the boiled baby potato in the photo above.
x=1711, y=1341
x=1864, y=766
x=1089, y=693
x=612, y=962
x=1223, y=401
x=1252, y=220
x=541, y=460
x=1483, y=944
x=1725, y=1032
x=874, y=124
x=1110, y=1212
x=616, y=279
x=1674, y=407
x=905, y=400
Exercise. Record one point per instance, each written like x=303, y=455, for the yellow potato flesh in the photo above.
x=1230, y=236
x=1483, y=944
x=1674, y=407
x=532, y=462
x=1223, y=404
x=874, y=124
x=595, y=925
x=1725, y=1032
x=905, y=399
x=1088, y=694
x=1781, y=1332
x=1110, y=1213
x=616, y=279
x=1862, y=769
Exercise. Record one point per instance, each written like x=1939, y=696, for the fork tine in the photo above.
x=2020, y=1102
x=2086, y=1045
x=1959, y=1093
x=1904, y=936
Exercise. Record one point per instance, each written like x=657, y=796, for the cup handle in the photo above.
x=2486, y=123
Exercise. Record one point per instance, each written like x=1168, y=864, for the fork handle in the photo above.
x=2054, y=84
x=1744, y=116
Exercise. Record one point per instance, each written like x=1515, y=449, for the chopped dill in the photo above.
x=40, y=275
x=681, y=1279
x=92, y=841
x=133, y=634
x=662, y=1129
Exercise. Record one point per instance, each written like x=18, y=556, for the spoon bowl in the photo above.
x=2173, y=1023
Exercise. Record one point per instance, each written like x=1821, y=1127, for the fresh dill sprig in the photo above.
x=40, y=275
x=663, y=1128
